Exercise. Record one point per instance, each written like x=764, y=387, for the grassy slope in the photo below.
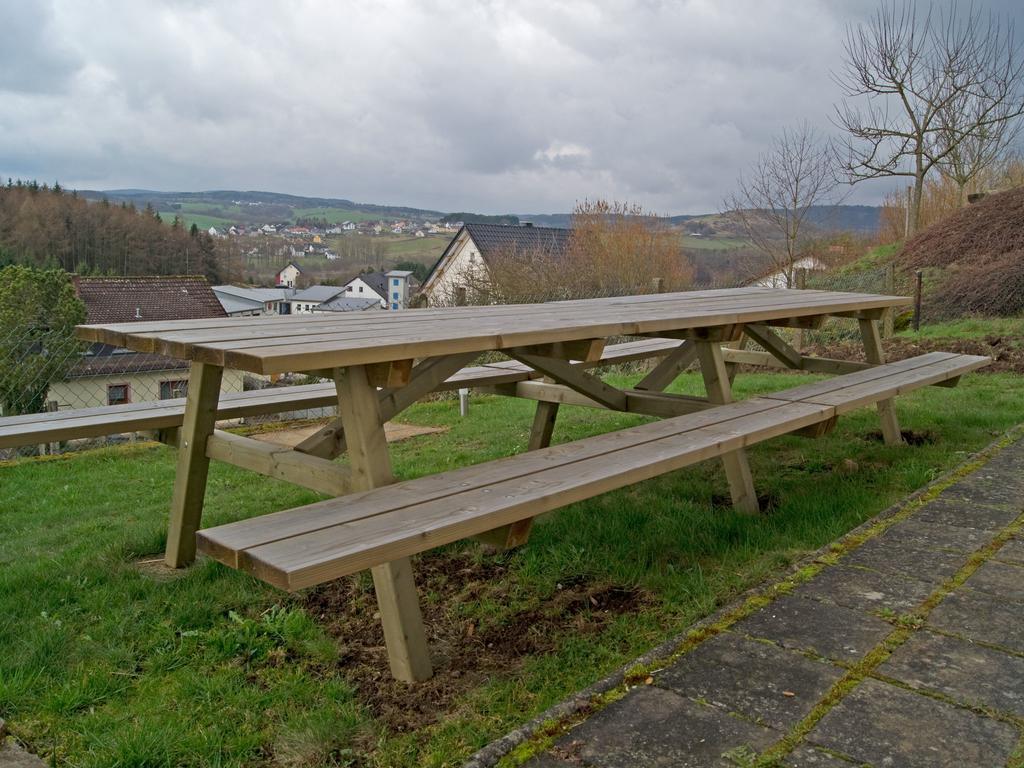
x=105, y=665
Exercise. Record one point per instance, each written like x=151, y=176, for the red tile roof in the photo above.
x=130, y=299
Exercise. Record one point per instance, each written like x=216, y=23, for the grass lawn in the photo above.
x=969, y=328
x=107, y=662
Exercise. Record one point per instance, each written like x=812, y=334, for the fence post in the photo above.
x=917, y=300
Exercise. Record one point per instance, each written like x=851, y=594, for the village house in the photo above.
x=108, y=375
x=779, y=278
x=239, y=301
x=288, y=276
x=463, y=264
x=391, y=289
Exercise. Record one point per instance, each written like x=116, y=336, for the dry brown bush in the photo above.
x=980, y=252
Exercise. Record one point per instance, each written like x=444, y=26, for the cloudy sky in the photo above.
x=486, y=106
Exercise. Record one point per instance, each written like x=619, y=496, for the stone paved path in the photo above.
x=905, y=651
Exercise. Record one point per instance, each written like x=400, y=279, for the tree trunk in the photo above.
x=915, y=205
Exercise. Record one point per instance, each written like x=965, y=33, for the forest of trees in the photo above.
x=45, y=226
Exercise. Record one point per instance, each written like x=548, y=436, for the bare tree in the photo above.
x=968, y=145
x=774, y=200
x=926, y=86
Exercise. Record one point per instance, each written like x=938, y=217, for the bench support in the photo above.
x=875, y=354
x=193, y=463
x=404, y=636
x=516, y=534
x=329, y=441
x=737, y=468
x=666, y=371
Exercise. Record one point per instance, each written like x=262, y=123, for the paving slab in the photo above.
x=1011, y=552
x=1000, y=579
x=949, y=510
x=932, y=566
x=810, y=757
x=654, y=727
x=865, y=590
x=920, y=534
x=991, y=488
x=981, y=617
x=757, y=680
x=969, y=673
x=829, y=630
x=887, y=726
x=1008, y=463
x=13, y=756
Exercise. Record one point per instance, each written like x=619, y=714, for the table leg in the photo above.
x=737, y=468
x=406, y=640
x=193, y=464
x=874, y=354
x=516, y=534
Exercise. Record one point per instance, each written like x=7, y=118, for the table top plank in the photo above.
x=309, y=342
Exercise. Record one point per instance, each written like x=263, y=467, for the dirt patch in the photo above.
x=155, y=568
x=766, y=502
x=464, y=654
x=910, y=437
x=1007, y=352
x=292, y=437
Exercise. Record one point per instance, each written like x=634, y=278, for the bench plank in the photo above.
x=330, y=539
x=319, y=542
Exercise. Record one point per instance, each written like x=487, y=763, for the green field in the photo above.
x=110, y=661
x=202, y=221
x=714, y=243
x=337, y=215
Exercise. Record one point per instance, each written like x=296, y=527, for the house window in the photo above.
x=173, y=388
x=394, y=306
x=119, y=394
x=394, y=281
x=394, y=295
x=360, y=289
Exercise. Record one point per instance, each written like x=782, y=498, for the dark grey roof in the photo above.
x=504, y=238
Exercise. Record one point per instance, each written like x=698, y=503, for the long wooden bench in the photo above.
x=323, y=541
x=79, y=423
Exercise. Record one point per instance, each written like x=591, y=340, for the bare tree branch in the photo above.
x=942, y=88
x=774, y=199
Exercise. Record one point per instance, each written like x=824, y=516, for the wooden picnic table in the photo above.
x=383, y=362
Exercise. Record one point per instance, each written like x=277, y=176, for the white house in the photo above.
x=392, y=289
x=777, y=277
x=288, y=276
x=464, y=262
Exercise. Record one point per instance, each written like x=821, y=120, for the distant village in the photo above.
x=308, y=239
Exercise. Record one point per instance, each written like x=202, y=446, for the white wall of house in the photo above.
x=92, y=391
x=357, y=288
x=288, y=276
x=398, y=289
x=464, y=266
x=778, y=279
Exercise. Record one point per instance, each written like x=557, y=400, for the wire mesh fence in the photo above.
x=43, y=372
